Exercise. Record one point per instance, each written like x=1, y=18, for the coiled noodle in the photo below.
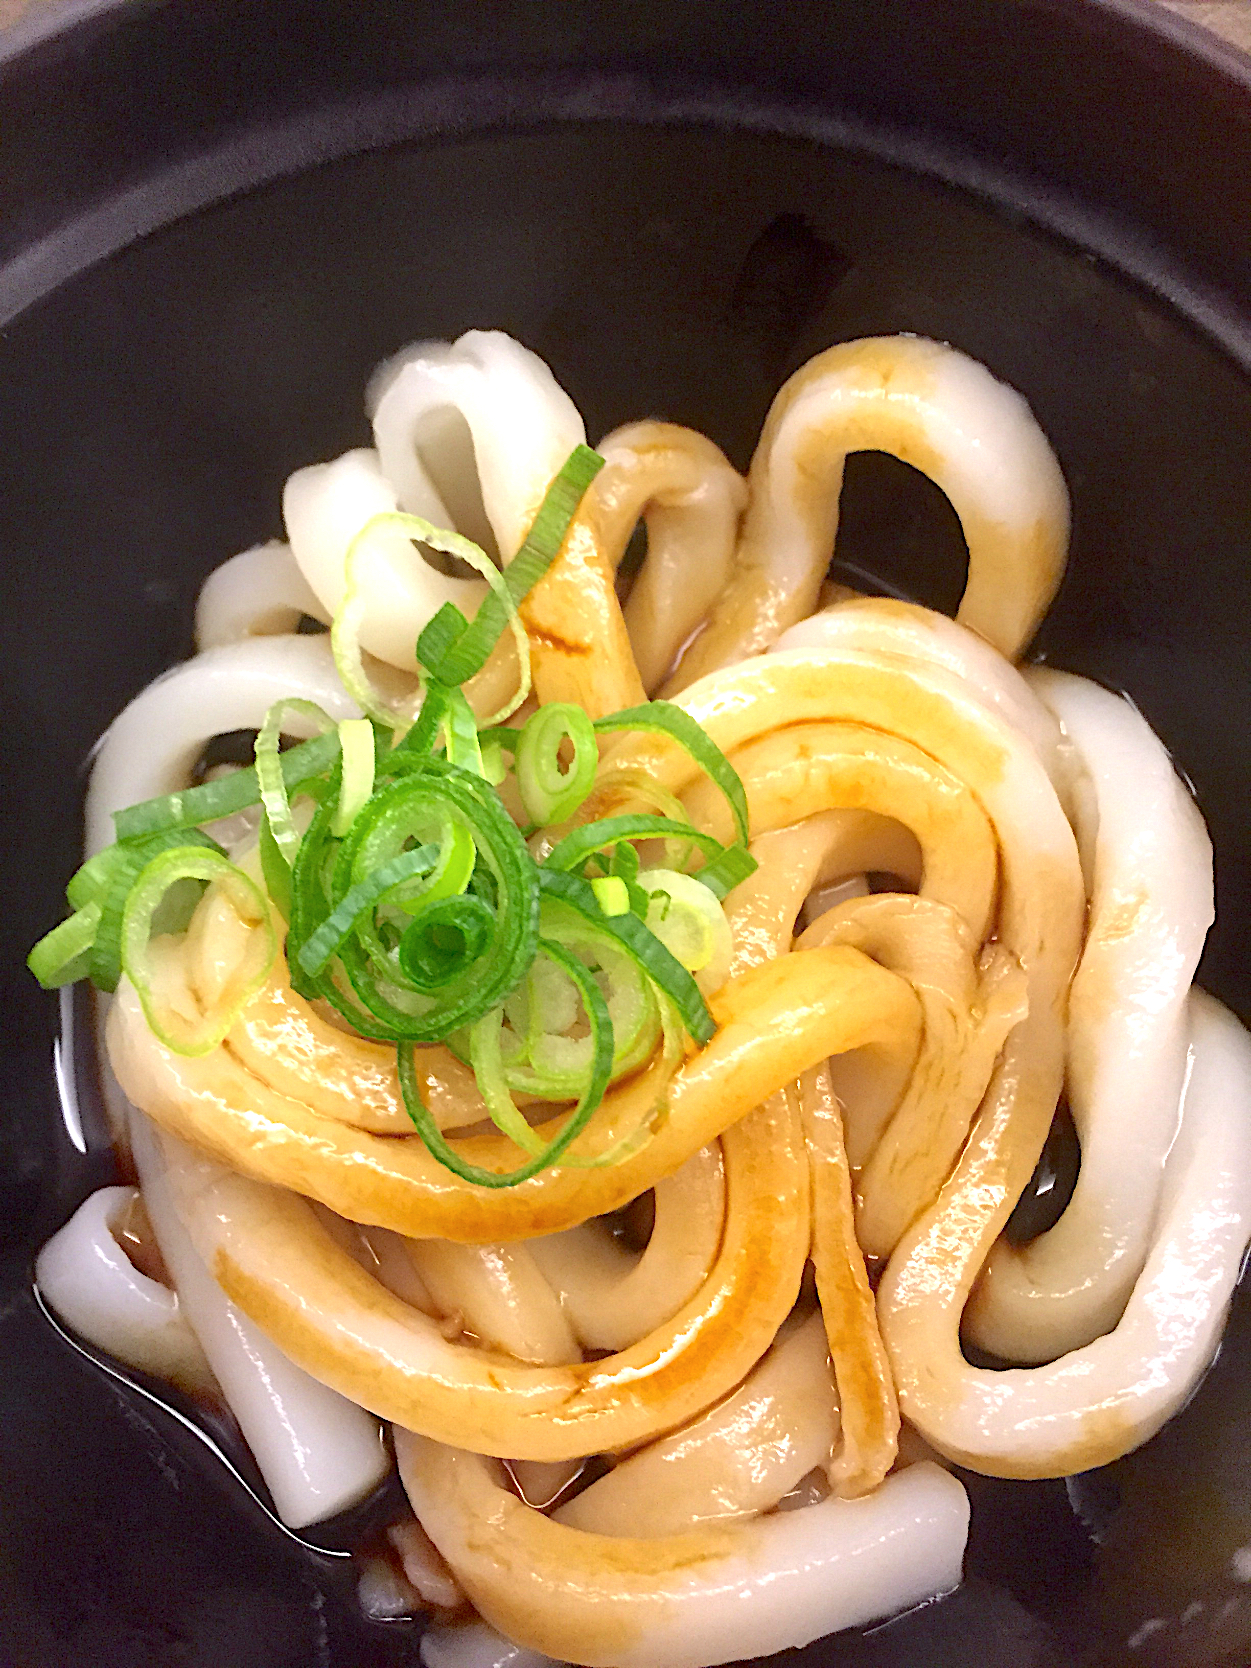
x=979, y=891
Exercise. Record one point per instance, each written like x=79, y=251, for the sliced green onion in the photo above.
x=571, y=852
x=689, y=921
x=444, y=941
x=493, y=767
x=727, y=871
x=665, y=718
x=658, y=963
x=504, y=735
x=63, y=955
x=633, y=1140
x=89, y=883
x=550, y=791
x=356, y=747
x=545, y=1060
x=439, y=634
x=422, y=737
x=211, y=800
x=275, y=870
x=444, y=712
x=164, y=871
x=275, y=800
x=345, y=628
x=445, y=1153
x=487, y=1060
x=612, y=895
x=105, y=966
x=460, y=728
x=456, y=659
x=624, y=864
x=328, y=939
x=480, y=849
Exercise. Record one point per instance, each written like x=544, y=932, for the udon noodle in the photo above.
x=731, y=1357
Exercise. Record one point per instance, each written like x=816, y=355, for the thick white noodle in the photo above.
x=883, y=626
x=468, y=434
x=521, y=428
x=325, y=506
x=258, y=593
x=90, y=1282
x=1116, y=1392
x=151, y=745
x=945, y=414
x=1150, y=909
x=476, y=1645
x=691, y=501
x=613, y=1298
x=737, y=1459
x=501, y=1296
x=720, y=1594
x=317, y=1452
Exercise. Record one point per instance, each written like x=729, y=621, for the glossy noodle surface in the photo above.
x=765, y=1300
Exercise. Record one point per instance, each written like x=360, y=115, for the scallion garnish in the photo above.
x=415, y=906
x=663, y=968
x=609, y=832
x=356, y=748
x=63, y=955
x=551, y=790
x=597, y=1081
x=190, y=807
x=666, y=719
x=452, y=648
x=163, y=872
x=105, y=968
x=270, y=780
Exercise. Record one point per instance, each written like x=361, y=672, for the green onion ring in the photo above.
x=273, y=788
x=211, y=800
x=662, y=968
x=550, y=792
x=356, y=748
x=456, y=659
x=62, y=956
x=664, y=718
x=601, y=1032
x=162, y=872
x=105, y=965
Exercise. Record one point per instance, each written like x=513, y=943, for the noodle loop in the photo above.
x=830, y=1062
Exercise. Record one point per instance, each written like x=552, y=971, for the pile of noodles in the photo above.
x=982, y=891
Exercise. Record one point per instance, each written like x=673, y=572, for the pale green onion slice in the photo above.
x=356, y=743
x=550, y=790
x=652, y=957
x=543, y=1059
x=689, y=921
x=275, y=798
x=575, y=1123
x=493, y=766
x=345, y=630
x=221, y=798
x=174, y=1029
x=635, y=1139
x=664, y=718
x=64, y=954
x=612, y=894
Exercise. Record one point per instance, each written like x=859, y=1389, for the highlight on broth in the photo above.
x=606, y=1042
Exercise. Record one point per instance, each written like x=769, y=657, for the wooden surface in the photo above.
x=1230, y=18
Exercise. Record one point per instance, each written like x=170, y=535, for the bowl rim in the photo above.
x=139, y=186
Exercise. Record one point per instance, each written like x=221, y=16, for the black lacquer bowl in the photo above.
x=217, y=215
